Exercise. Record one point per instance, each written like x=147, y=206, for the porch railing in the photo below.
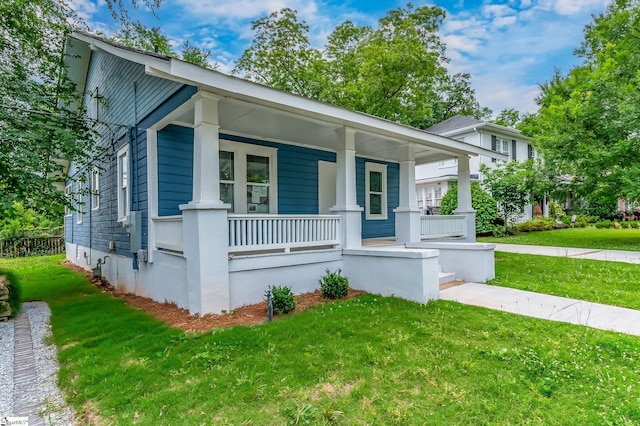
x=250, y=232
x=168, y=233
x=445, y=226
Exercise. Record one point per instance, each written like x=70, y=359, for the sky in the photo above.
x=509, y=47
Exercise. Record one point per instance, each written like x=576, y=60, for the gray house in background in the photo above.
x=434, y=179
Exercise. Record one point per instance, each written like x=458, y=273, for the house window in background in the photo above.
x=227, y=178
x=376, y=188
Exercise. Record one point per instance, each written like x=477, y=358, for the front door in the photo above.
x=326, y=186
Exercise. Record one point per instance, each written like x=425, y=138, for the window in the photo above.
x=95, y=189
x=376, y=188
x=68, y=194
x=227, y=178
x=448, y=163
x=123, y=182
x=248, y=177
x=500, y=145
x=79, y=205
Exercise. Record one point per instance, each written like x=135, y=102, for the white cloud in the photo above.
x=504, y=21
x=84, y=8
x=497, y=10
x=572, y=7
x=461, y=43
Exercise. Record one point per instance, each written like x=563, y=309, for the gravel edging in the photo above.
x=49, y=402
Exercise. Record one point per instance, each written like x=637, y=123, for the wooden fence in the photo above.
x=25, y=247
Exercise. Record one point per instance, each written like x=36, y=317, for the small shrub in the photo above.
x=15, y=293
x=604, y=224
x=537, y=210
x=536, y=224
x=555, y=210
x=333, y=285
x=282, y=299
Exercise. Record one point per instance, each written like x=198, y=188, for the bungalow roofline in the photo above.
x=233, y=87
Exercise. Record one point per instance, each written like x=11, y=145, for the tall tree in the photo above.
x=40, y=123
x=395, y=71
x=587, y=125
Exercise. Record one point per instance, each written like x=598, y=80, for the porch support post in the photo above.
x=407, y=213
x=464, y=199
x=346, y=201
x=204, y=219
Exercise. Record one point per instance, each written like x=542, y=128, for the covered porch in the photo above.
x=229, y=241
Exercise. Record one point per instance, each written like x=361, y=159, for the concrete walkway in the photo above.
x=580, y=253
x=549, y=307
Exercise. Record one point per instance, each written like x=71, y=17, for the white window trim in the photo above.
x=123, y=200
x=79, y=206
x=240, y=152
x=95, y=189
x=68, y=193
x=382, y=168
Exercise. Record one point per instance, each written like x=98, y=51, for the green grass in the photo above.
x=611, y=283
x=606, y=239
x=370, y=360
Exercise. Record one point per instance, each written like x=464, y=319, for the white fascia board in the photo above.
x=496, y=127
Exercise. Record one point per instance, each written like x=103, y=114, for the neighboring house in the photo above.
x=433, y=180
x=213, y=187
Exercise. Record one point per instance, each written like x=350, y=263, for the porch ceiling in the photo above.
x=260, y=122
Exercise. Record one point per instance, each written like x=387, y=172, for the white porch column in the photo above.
x=407, y=213
x=346, y=201
x=464, y=198
x=204, y=219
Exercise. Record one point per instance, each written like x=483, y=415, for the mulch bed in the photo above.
x=177, y=317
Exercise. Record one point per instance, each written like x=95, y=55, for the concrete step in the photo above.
x=445, y=277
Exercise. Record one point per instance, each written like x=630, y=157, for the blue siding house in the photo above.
x=208, y=188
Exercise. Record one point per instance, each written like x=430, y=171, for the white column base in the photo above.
x=351, y=225
x=204, y=230
x=470, y=225
x=407, y=224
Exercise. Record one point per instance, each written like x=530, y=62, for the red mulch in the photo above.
x=180, y=318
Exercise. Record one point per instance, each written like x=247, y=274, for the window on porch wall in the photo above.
x=247, y=177
x=123, y=182
x=376, y=186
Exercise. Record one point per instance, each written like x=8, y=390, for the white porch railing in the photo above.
x=250, y=232
x=168, y=233
x=445, y=226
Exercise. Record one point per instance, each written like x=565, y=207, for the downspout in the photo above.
x=134, y=164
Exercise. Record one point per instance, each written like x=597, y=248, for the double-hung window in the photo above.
x=95, y=189
x=68, y=195
x=248, y=177
x=376, y=190
x=123, y=182
x=79, y=203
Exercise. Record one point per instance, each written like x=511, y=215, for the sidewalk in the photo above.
x=580, y=253
x=537, y=305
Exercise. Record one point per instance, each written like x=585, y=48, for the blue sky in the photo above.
x=508, y=46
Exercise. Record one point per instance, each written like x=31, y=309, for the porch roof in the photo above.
x=261, y=112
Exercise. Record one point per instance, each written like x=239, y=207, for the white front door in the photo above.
x=326, y=186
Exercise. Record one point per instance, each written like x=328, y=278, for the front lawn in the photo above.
x=591, y=237
x=370, y=360
x=611, y=283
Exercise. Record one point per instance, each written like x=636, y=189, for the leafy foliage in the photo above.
x=333, y=285
x=537, y=224
x=15, y=293
x=364, y=68
x=484, y=205
x=137, y=35
x=511, y=185
x=282, y=299
x=19, y=222
x=587, y=125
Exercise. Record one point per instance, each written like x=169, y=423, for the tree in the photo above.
x=395, y=71
x=152, y=40
x=508, y=117
x=484, y=205
x=511, y=185
x=587, y=125
x=40, y=122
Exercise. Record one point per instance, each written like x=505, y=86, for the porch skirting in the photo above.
x=408, y=272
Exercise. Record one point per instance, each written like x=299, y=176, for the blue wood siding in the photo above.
x=297, y=178
x=175, y=169
x=379, y=228
x=130, y=101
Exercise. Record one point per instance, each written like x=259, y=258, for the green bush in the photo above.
x=604, y=224
x=333, y=285
x=555, y=210
x=15, y=293
x=282, y=299
x=484, y=205
x=536, y=224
